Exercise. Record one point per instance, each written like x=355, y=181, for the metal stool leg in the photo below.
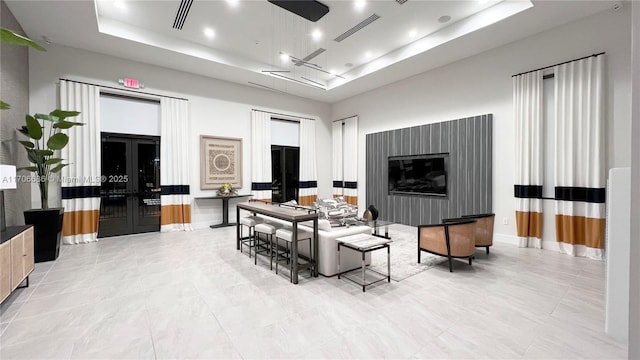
x=277, y=243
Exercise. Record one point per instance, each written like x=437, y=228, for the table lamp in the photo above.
x=7, y=181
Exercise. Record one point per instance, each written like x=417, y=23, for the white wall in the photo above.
x=217, y=108
x=482, y=84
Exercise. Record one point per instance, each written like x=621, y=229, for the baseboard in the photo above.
x=201, y=225
x=513, y=240
x=551, y=245
x=506, y=239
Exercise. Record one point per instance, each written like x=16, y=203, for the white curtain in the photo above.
x=336, y=140
x=350, y=160
x=80, y=181
x=527, y=101
x=261, y=155
x=580, y=166
x=308, y=181
x=175, y=198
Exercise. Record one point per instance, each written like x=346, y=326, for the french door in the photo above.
x=130, y=189
x=285, y=173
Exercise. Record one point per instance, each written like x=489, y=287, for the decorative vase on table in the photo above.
x=367, y=216
x=374, y=212
x=227, y=189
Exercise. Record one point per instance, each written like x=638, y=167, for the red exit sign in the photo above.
x=131, y=83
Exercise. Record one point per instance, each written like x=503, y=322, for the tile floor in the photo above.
x=192, y=295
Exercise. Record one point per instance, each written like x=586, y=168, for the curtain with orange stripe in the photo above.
x=261, y=155
x=175, y=197
x=528, y=102
x=580, y=149
x=80, y=180
x=336, y=156
x=345, y=159
x=350, y=160
x=308, y=179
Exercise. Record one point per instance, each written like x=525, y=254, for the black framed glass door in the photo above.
x=130, y=188
x=285, y=173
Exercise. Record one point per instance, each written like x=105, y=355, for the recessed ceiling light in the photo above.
x=120, y=4
x=368, y=55
x=359, y=4
x=284, y=56
x=413, y=33
x=233, y=2
x=332, y=71
x=316, y=34
x=209, y=32
x=444, y=19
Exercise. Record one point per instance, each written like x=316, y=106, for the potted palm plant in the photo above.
x=42, y=147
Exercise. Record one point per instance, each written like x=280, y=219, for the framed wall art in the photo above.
x=220, y=162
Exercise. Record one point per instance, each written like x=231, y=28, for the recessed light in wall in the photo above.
x=443, y=19
x=209, y=32
x=316, y=34
x=120, y=4
x=359, y=4
x=413, y=33
x=233, y=3
x=284, y=56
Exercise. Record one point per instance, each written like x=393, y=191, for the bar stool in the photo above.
x=287, y=236
x=250, y=222
x=268, y=229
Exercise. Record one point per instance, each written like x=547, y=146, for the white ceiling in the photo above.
x=250, y=36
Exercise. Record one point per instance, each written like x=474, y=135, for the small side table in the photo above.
x=364, y=243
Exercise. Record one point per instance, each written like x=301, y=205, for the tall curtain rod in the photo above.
x=121, y=89
x=291, y=116
x=348, y=117
x=562, y=63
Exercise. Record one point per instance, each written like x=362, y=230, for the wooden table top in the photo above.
x=278, y=212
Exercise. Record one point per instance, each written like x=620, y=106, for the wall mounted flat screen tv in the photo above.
x=424, y=174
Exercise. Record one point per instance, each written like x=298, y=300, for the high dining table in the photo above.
x=293, y=215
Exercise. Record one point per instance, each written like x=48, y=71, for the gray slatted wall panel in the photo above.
x=468, y=142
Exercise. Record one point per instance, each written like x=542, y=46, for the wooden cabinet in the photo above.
x=5, y=270
x=16, y=258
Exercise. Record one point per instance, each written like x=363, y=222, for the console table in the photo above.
x=293, y=215
x=225, y=208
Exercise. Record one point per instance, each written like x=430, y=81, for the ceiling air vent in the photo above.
x=181, y=15
x=401, y=1
x=357, y=28
x=309, y=57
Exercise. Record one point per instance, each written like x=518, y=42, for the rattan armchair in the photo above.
x=452, y=240
x=484, y=228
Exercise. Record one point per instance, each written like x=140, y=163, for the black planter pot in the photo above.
x=47, y=226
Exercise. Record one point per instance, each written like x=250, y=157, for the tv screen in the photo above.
x=418, y=174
